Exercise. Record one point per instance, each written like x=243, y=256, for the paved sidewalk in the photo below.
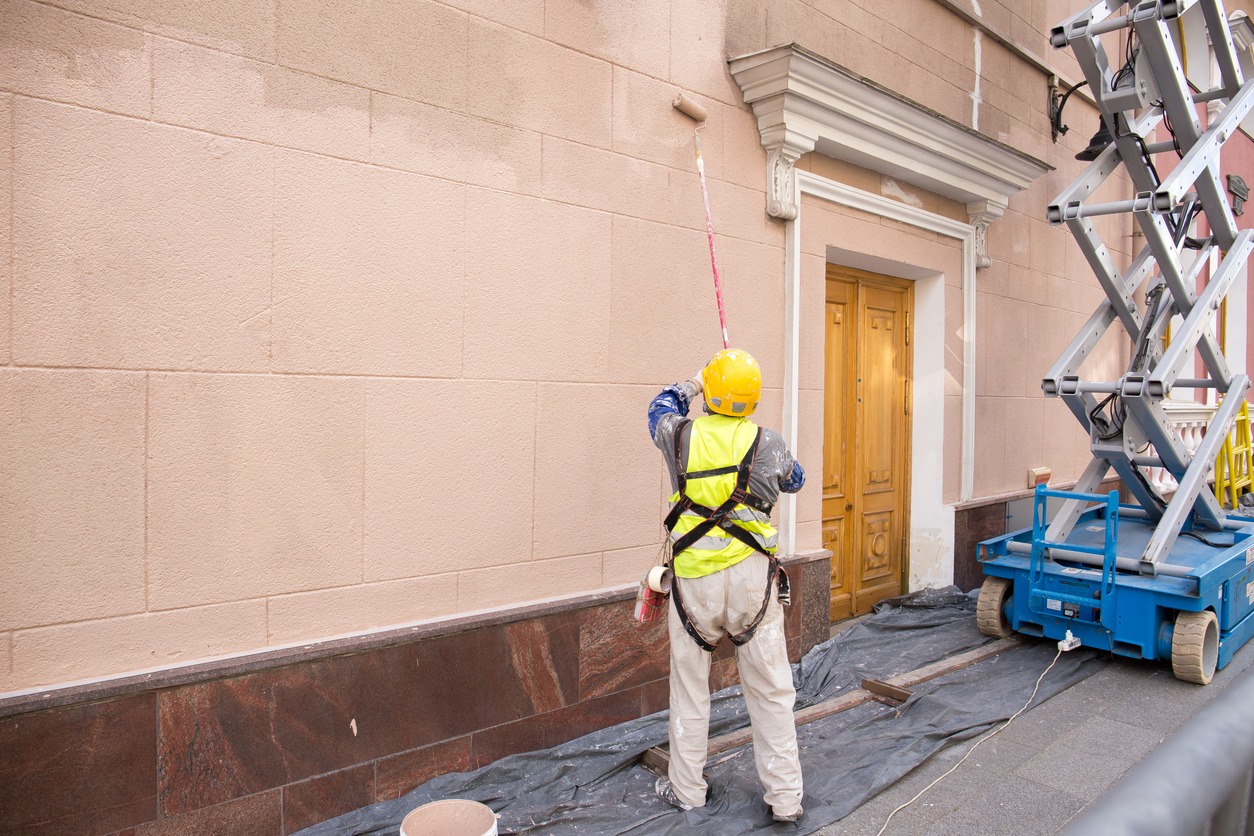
x=1050, y=763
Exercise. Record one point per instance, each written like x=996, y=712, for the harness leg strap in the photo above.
x=680, y=611
x=775, y=571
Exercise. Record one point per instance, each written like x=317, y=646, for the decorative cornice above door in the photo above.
x=804, y=102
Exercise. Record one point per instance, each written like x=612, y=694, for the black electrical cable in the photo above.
x=1210, y=543
x=1153, y=299
x=1149, y=489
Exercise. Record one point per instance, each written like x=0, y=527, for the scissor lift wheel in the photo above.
x=1195, y=646
x=990, y=610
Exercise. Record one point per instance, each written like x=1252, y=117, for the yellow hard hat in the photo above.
x=732, y=382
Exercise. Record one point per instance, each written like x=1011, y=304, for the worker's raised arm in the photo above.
x=792, y=482
x=669, y=408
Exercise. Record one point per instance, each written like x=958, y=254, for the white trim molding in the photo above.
x=931, y=518
x=804, y=102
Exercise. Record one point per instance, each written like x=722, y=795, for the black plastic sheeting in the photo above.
x=595, y=784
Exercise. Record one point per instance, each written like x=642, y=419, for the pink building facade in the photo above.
x=327, y=332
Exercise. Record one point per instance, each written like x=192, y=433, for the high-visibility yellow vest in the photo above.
x=718, y=443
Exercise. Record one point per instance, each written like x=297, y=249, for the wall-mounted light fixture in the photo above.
x=1056, y=103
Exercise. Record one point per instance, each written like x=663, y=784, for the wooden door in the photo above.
x=866, y=452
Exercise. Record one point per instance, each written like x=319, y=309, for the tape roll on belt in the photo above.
x=659, y=579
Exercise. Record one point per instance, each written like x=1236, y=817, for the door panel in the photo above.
x=836, y=408
x=866, y=438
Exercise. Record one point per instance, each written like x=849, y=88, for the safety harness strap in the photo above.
x=718, y=517
x=785, y=597
x=685, y=504
x=718, y=471
x=682, y=612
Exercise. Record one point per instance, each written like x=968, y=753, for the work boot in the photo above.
x=666, y=792
x=787, y=818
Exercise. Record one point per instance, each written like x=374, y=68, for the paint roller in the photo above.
x=690, y=109
x=698, y=114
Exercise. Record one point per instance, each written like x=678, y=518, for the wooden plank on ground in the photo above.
x=952, y=663
x=658, y=758
x=885, y=690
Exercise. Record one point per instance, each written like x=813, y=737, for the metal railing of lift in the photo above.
x=1197, y=782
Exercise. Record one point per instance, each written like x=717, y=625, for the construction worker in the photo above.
x=727, y=474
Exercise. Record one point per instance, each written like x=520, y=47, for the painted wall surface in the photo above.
x=317, y=316
x=1237, y=160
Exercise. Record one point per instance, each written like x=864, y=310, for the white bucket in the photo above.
x=450, y=817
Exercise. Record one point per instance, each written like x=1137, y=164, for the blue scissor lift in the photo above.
x=1163, y=577
x=1196, y=612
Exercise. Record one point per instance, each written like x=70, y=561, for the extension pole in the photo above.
x=696, y=112
x=709, y=232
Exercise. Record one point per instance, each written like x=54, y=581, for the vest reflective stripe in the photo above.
x=718, y=441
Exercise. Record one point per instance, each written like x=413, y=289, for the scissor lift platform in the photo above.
x=1196, y=612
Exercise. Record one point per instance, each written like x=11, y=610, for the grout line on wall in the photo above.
x=152, y=74
x=690, y=225
x=461, y=357
x=152, y=120
x=12, y=215
x=272, y=45
x=347, y=375
x=153, y=29
x=365, y=441
x=147, y=432
x=274, y=244
x=535, y=466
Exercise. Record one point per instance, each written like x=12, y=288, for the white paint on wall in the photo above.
x=975, y=92
x=932, y=555
x=931, y=519
x=891, y=188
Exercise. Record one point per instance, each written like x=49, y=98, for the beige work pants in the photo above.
x=726, y=602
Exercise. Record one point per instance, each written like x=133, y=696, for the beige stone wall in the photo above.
x=317, y=317
x=323, y=317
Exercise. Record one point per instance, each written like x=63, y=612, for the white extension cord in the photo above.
x=1069, y=643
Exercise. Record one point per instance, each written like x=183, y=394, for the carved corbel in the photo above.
x=783, y=149
x=781, y=183
x=981, y=213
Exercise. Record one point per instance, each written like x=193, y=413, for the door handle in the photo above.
x=848, y=506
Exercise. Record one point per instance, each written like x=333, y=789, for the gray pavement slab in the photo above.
x=1049, y=764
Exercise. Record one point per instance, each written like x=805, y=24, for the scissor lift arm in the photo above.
x=1134, y=101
